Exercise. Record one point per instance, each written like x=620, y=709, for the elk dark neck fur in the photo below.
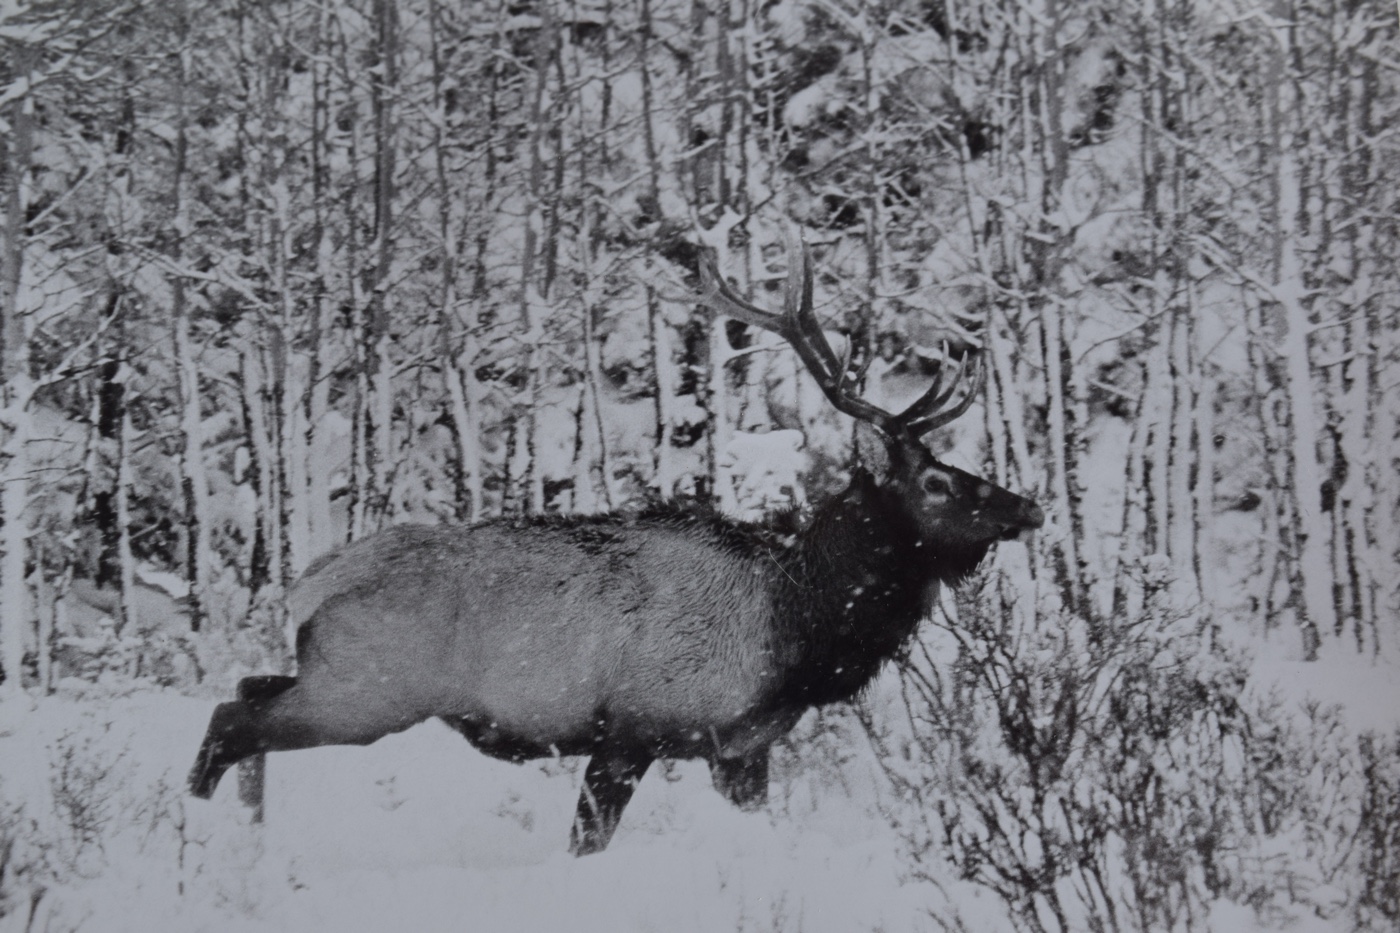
x=854, y=586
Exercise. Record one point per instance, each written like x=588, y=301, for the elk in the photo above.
x=670, y=633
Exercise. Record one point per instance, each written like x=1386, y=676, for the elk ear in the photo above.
x=873, y=450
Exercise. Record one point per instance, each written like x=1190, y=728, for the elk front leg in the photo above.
x=742, y=781
x=608, y=783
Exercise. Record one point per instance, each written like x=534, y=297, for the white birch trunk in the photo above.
x=1127, y=594
x=664, y=473
x=1013, y=415
x=1359, y=499
x=463, y=401
x=994, y=418
x=361, y=483
x=1307, y=474
x=264, y=461
x=664, y=370
x=17, y=389
x=1204, y=491
x=291, y=441
x=321, y=533
x=1287, y=289
x=1157, y=413
x=383, y=395
x=585, y=498
x=50, y=597
x=1306, y=484
x=192, y=458
x=716, y=382
x=1057, y=440
x=318, y=474
x=534, y=304
x=190, y=466
x=458, y=376
x=1274, y=553
x=1181, y=533
x=15, y=615
x=126, y=560
x=295, y=453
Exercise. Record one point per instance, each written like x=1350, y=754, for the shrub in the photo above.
x=1118, y=774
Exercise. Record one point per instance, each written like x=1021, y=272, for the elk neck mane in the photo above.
x=856, y=582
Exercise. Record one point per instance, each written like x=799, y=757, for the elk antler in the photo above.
x=799, y=327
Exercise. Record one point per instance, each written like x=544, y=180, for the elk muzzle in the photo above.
x=1030, y=518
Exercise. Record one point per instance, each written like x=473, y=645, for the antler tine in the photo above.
x=800, y=319
x=935, y=399
x=805, y=334
x=798, y=326
x=715, y=292
x=925, y=414
x=932, y=399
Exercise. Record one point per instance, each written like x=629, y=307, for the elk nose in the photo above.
x=1032, y=516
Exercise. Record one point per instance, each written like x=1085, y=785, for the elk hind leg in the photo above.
x=742, y=781
x=608, y=783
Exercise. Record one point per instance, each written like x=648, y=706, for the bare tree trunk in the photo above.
x=1356, y=390
x=716, y=391
x=1044, y=251
x=288, y=395
x=1061, y=445
x=658, y=330
x=534, y=282
x=126, y=559
x=361, y=479
x=384, y=88
x=1310, y=581
x=664, y=474
x=190, y=466
x=14, y=369
x=49, y=597
x=461, y=403
x=1157, y=413
x=1127, y=594
x=265, y=563
x=1181, y=531
x=1204, y=490
x=108, y=468
x=1276, y=555
x=318, y=384
x=190, y=462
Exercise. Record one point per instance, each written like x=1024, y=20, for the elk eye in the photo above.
x=936, y=484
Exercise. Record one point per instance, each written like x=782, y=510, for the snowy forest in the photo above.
x=277, y=274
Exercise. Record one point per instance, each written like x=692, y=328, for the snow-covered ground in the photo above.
x=418, y=831
x=421, y=832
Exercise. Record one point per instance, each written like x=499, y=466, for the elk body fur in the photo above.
x=668, y=633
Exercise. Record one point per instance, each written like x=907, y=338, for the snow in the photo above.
x=766, y=465
x=421, y=831
x=1364, y=688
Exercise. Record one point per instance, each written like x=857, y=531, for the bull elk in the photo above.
x=672, y=633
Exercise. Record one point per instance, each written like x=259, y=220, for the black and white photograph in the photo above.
x=699, y=466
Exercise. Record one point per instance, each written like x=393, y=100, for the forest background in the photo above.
x=275, y=275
